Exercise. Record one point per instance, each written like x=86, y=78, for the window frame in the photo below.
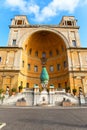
x=59, y=86
x=65, y=64
x=74, y=43
x=30, y=51
x=43, y=54
x=28, y=66
x=35, y=68
x=14, y=42
x=58, y=67
x=51, y=68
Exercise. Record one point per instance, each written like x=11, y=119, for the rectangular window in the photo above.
x=30, y=51
x=69, y=23
x=58, y=67
x=43, y=55
x=65, y=64
x=27, y=85
x=23, y=63
x=19, y=22
x=14, y=42
x=35, y=68
x=59, y=85
x=51, y=68
x=28, y=66
x=74, y=43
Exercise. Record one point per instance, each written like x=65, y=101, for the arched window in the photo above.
x=43, y=55
x=30, y=51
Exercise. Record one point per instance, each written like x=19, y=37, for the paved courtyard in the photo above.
x=44, y=118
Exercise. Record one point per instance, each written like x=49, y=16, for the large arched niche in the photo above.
x=28, y=34
x=45, y=41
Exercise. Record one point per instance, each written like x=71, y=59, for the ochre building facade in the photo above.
x=31, y=47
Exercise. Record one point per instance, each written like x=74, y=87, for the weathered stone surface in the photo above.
x=44, y=118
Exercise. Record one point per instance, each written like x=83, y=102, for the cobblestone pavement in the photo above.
x=44, y=118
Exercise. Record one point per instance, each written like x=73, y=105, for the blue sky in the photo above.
x=43, y=12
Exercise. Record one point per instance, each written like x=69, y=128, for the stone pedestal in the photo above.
x=29, y=95
x=51, y=95
x=36, y=95
x=21, y=104
x=43, y=98
x=66, y=104
x=82, y=99
x=36, y=98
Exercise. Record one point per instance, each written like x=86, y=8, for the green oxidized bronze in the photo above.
x=44, y=77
